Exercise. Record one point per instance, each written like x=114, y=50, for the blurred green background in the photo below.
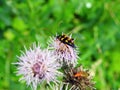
x=95, y=24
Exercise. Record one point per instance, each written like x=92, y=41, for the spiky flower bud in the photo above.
x=78, y=78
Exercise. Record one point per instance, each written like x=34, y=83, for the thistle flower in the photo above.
x=36, y=65
x=63, y=46
x=78, y=79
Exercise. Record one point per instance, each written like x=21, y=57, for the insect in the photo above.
x=81, y=74
x=66, y=40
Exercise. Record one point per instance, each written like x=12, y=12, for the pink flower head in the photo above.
x=63, y=46
x=36, y=65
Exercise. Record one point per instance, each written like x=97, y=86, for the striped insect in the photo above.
x=66, y=40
